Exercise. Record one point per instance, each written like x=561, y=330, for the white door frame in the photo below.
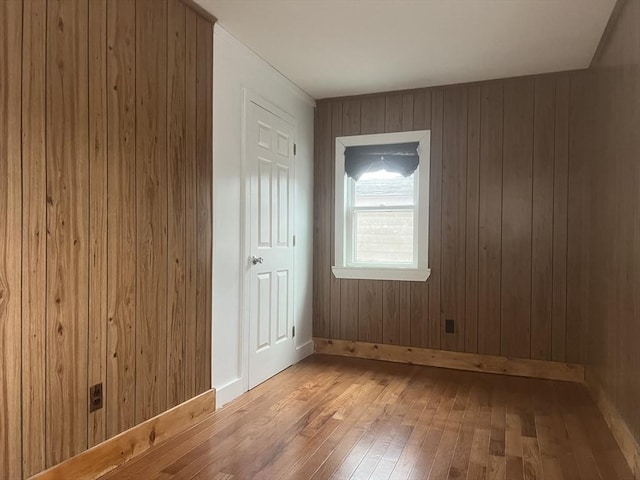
x=249, y=97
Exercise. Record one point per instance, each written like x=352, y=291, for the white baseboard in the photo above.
x=303, y=351
x=233, y=389
x=228, y=392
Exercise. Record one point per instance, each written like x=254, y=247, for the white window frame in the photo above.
x=342, y=268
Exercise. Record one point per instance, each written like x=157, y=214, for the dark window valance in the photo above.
x=399, y=158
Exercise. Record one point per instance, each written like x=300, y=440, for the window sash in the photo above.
x=350, y=232
x=382, y=208
x=351, y=239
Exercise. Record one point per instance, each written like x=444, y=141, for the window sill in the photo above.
x=365, y=273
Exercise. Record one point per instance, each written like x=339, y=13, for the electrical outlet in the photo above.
x=95, y=397
x=449, y=326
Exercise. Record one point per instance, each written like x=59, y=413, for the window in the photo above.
x=381, y=207
x=382, y=210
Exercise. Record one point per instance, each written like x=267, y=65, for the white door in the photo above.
x=270, y=165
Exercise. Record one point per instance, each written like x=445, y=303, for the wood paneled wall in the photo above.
x=613, y=213
x=105, y=219
x=500, y=238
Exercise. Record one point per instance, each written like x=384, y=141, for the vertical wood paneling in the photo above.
x=322, y=298
x=349, y=309
x=34, y=177
x=472, y=221
x=593, y=225
x=151, y=204
x=454, y=216
x=334, y=283
x=10, y=238
x=422, y=110
x=396, y=296
x=204, y=188
x=628, y=223
x=121, y=217
x=632, y=353
x=419, y=291
x=490, y=218
x=542, y=218
x=407, y=112
x=603, y=269
x=372, y=116
x=374, y=120
x=176, y=149
x=419, y=314
x=350, y=117
x=403, y=334
x=578, y=220
x=560, y=179
x=370, y=311
x=190, y=222
x=404, y=312
x=105, y=217
x=68, y=229
x=393, y=113
x=516, y=218
x=390, y=311
x=97, y=210
x=349, y=304
x=435, y=221
x=631, y=219
x=621, y=143
x=498, y=199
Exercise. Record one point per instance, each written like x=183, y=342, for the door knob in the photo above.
x=256, y=260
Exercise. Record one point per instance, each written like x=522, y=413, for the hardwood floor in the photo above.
x=330, y=417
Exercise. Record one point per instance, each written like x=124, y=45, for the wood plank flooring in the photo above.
x=345, y=418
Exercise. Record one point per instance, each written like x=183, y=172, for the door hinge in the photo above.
x=295, y=149
x=294, y=240
x=293, y=331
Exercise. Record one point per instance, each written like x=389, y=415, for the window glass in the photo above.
x=383, y=237
x=384, y=189
x=383, y=217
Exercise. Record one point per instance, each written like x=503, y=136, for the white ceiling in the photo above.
x=343, y=47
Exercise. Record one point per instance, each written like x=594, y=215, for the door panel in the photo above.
x=282, y=295
x=270, y=174
x=263, y=299
x=282, y=215
x=283, y=144
x=264, y=199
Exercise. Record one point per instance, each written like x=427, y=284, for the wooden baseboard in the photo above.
x=625, y=439
x=114, y=452
x=456, y=360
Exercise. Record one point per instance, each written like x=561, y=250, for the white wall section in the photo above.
x=237, y=68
